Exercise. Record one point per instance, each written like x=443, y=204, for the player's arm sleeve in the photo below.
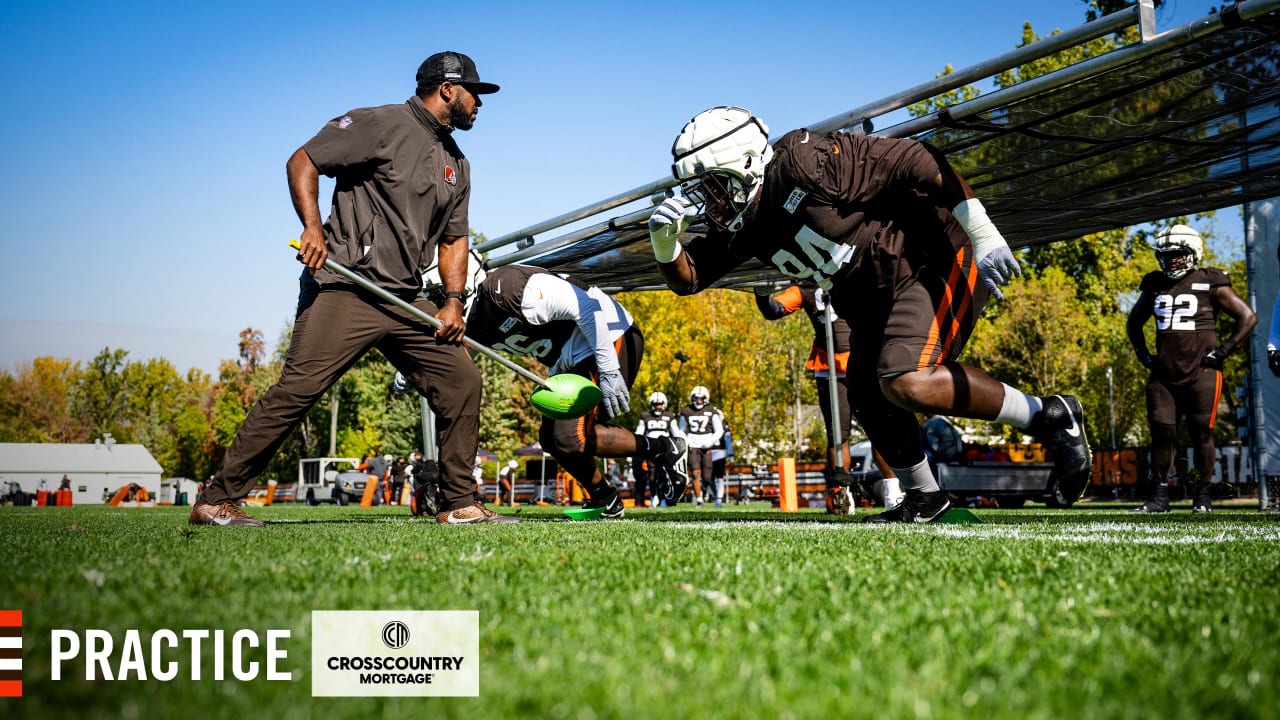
x=860, y=167
x=348, y=141
x=706, y=259
x=548, y=297
x=717, y=430
x=774, y=307
x=458, y=223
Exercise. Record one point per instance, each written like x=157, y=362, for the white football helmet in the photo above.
x=1178, y=250
x=657, y=398
x=699, y=396
x=719, y=158
x=433, y=286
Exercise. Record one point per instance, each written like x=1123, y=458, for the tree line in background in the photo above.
x=1060, y=329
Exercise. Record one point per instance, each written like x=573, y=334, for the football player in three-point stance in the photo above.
x=909, y=256
x=569, y=326
x=1186, y=370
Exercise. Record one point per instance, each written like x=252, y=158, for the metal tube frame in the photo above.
x=1141, y=14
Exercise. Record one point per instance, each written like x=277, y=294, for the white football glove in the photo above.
x=617, y=398
x=996, y=264
x=667, y=223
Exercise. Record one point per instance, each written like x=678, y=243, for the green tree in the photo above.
x=100, y=395
x=754, y=369
x=37, y=403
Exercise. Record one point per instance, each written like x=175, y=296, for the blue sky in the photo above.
x=144, y=192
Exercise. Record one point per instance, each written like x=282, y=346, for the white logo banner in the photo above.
x=395, y=653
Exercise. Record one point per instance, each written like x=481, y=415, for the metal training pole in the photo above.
x=833, y=383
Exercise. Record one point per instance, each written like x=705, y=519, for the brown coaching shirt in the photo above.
x=402, y=184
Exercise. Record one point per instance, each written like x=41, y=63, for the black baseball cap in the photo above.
x=453, y=67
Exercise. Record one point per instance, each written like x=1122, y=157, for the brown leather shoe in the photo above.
x=227, y=513
x=476, y=513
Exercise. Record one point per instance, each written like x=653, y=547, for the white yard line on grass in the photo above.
x=1084, y=532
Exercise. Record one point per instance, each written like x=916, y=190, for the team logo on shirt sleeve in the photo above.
x=450, y=176
x=794, y=200
x=344, y=122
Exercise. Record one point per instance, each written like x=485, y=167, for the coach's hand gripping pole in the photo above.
x=423, y=316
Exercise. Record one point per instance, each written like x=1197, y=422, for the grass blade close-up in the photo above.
x=1089, y=612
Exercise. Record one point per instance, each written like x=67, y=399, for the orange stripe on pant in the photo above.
x=1217, y=397
x=934, y=350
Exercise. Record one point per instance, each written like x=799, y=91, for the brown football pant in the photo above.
x=334, y=329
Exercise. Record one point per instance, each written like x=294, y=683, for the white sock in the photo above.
x=1018, y=408
x=917, y=477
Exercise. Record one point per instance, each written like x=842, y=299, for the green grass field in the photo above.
x=737, y=613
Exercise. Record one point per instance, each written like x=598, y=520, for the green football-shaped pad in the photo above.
x=569, y=396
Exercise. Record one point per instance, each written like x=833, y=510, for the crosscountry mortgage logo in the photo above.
x=10, y=653
x=395, y=653
x=395, y=635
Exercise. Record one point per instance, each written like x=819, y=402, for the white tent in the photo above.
x=96, y=470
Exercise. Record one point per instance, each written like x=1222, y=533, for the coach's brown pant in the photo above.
x=334, y=329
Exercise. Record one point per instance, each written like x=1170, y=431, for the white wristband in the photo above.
x=666, y=246
x=973, y=218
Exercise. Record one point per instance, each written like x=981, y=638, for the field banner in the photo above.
x=400, y=653
x=1262, y=230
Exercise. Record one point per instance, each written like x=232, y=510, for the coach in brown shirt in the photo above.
x=401, y=197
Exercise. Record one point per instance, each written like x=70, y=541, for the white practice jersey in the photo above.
x=559, y=321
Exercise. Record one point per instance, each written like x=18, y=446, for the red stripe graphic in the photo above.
x=11, y=621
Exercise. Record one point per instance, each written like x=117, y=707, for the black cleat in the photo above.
x=918, y=507
x=1203, y=504
x=423, y=501
x=1060, y=428
x=608, y=499
x=1157, y=503
x=674, y=461
x=888, y=516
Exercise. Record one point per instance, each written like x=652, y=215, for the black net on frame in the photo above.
x=1192, y=128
